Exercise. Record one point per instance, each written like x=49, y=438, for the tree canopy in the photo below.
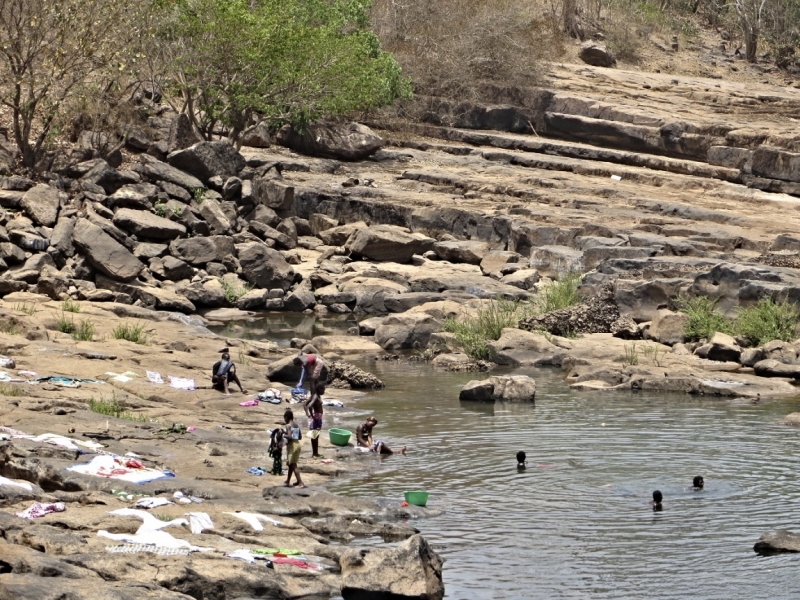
x=288, y=61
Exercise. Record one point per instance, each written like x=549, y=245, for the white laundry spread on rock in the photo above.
x=254, y=519
x=149, y=522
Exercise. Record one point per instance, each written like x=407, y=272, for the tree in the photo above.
x=750, y=14
x=50, y=50
x=284, y=61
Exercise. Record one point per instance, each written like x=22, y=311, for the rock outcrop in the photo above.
x=504, y=388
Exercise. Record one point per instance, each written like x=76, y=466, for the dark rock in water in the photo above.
x=595, y=315
x=352, y=141
x=351, y=376
x=411, y=570
x=777, y=542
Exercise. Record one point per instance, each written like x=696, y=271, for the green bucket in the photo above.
x=339, y=437
x=416, y=498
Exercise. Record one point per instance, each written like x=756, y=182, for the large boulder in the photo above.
x=155, y=170
x=145, y=224
x=351, y=141
x=777, y=542
x=502, y=388
x=257, y=136
x=411, y=570
x=207, y=159
x=216, y=218
x=462, y=251
x=202, y=250
x=336, y=235
x=264, y=267
x=774, y=368
x=209, y=293
x=721, y=347
x=640, y=300
x=493, y=262
x=273, y=193
x=135, y=195
x=522, y=348
x=41, y=203
x=388, y=243
x=597, y=55
x=345, y=344
x=105, y=253
x=410, y=330
x=667, y=327
x=776, y=163
x=181, y=133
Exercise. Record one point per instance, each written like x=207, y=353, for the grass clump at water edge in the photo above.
x=130, y=332
x=703, y=318
x=473, y=333
x=767, y=320
x=234, y=292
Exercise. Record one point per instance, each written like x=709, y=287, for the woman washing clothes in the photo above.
x=223, y=372
x=364, y=437
x=314, y=367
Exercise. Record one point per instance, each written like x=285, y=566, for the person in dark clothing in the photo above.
x=223, y=372
x=364, y=438
x=656, y=503
x=697, y=483
x=313, y=409
x=521, y=462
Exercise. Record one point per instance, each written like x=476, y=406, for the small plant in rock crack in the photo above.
x=198, y=194
x=28, y=309
x=161, y=208
x=65, y=324
x=84, y=331
x=653, y=353
x=631, y=355
x=130, y=332
x=69, y=305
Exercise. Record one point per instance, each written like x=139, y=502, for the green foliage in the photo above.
x=113, y=408
x=704, y=319
x=766, y=321
x=289, y=61
x=69, y=305
x=176, y=210
x=160, y=208
x=84, y=331
x=65, y=324
x=474, y=333
x=198, y=195
x=131, y=333
x=28, y=309
x=560, y=294
x=6, y=389
x=652, y=352
x=9, y=328
x=631, y=355
x=234, y=292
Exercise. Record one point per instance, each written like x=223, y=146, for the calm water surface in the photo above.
x=576, y=523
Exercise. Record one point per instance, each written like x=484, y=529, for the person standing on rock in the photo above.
x=313, y=408
x=364, y=438
x=223, y=372
x=314, y=366
x=292, y=434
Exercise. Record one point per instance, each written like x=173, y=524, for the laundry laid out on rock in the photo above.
x=39, y=509
x=119, y=467
x=152, y=502
x=20, y=484
x=255, y=471
x=59, y=440
x=181, y=383
x=249, y=403
x=160, y=539
x=135, y=548
x=149, y=522
x=198, y=521
x=154, y=377
x=253, y=519
x=63, y=381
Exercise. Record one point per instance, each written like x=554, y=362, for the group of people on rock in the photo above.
x=658, y=498
x=223, y=373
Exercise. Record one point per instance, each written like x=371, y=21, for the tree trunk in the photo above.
x=570, y=25
x=750, y=45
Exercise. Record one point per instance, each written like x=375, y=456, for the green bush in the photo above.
x=132, y=333
x=704, y=319
x=562, y=293
x=474, y=333
x=65, y=324
x=69, y=305
x=767, y=321
x=234, y=292
x=113, y=408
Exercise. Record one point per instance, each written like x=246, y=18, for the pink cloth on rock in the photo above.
x=37, y=509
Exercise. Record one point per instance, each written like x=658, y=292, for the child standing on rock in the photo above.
x=313, y=408
x=293, y=435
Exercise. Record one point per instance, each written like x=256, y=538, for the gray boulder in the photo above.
x=300, y=300
x=175, y=269
x=181, y=133
x=201, y=250
x=105, y=253
x=597, y=55
x=217, y=220
x=411, y=570
x=208, y=159
x=388, y=243
x=462, y=251
x=319, y=222
x=147, y=225
x=273, y=193
x=721, y=347
x=776, y=163
x=137, y=195
x=524, y=279
x=503, y=388
x=264, y=267
x=155, y=170
x=351, y=141
x=253, y=300
x=774, y=368
x=209, y=293
x=410, y=330
x=522, y=348
x=257, y=136
x=668, y=327
x=777, y=542
x=494, y=261
x=338, y=235
x=751, y=356
x=41, y=203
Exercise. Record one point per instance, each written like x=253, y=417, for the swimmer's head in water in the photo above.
x=698, y=482
x=520, y=457
x=657, y=497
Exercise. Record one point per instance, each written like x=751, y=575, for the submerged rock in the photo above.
x=777, y=542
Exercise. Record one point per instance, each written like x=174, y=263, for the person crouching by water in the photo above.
x=656, y=503
x=364, y=436
x=313, y=408
x=292, y=434
x=698, y=483
x=521, y=462
x=314, y=367
x=223, y=372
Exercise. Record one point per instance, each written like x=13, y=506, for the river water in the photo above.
x=577, y=522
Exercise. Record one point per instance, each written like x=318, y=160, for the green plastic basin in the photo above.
x=339, y=437
x=416, y=498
